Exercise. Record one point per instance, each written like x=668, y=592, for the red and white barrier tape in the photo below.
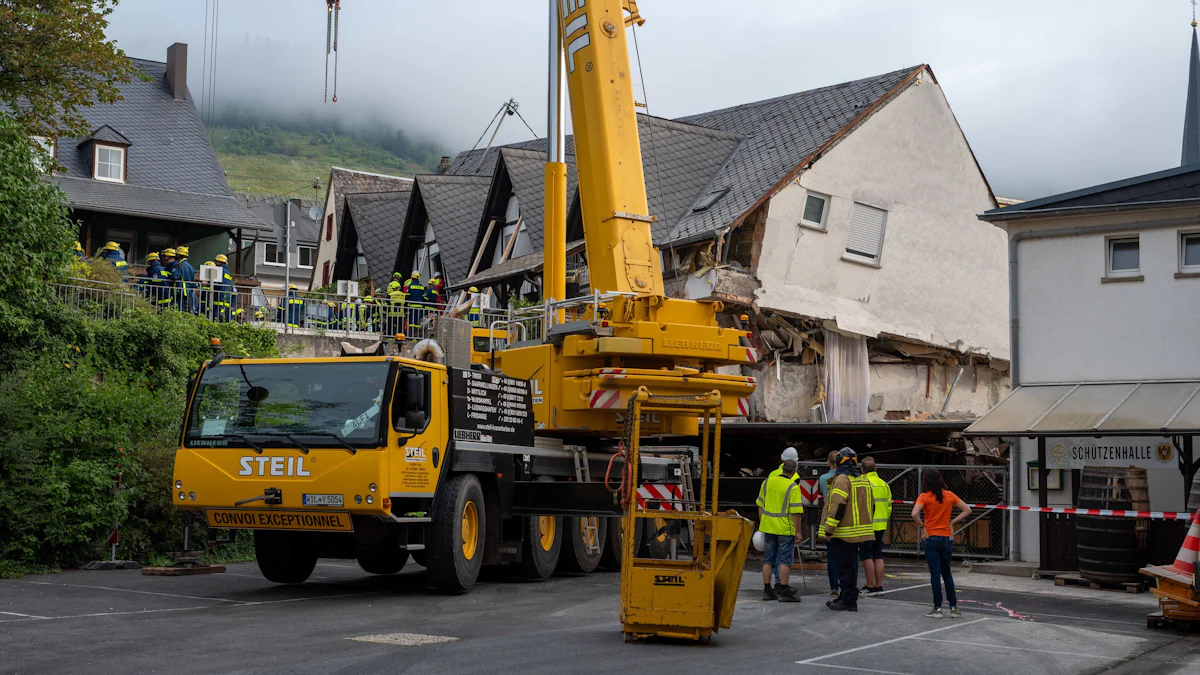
x=1116, y=513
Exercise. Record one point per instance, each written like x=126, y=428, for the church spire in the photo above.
x=1191, y=118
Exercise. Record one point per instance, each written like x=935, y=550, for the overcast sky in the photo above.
x=1052, y=95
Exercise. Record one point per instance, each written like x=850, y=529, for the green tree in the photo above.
x=55, y=60
x=35, y=248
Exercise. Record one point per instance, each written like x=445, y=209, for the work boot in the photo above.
x=769, y=593
x=838, y=606
x=780, y=588
x=788, y=594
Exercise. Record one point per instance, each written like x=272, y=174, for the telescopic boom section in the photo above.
x=612, y=186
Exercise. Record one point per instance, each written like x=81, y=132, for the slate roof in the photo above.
x=526, y=172
x=780, y=134
x=173, y=171
x=349, y=181
x=377, y=219
x=1172, y=187
x=513, y=267
x=453, y=204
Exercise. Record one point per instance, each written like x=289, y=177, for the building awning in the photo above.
x=1095, y=409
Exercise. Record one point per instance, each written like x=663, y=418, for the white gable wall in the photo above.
x=943, y=275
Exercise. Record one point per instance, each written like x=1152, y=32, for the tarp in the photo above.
x=1095, y=409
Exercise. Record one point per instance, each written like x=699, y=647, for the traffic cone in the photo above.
x=1185, y=561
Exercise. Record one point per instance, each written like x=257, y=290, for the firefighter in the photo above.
x=295, y=307
x=848, y=521
x=474, y=312
x=871, y=552
x=779, y=511
x=112, y=253
x=434, y=295
x=414, y=301
x=184, y=278
x=224, y=300
x=166, y=287
x=79, y=254
x=152, y=281
x=367, y=313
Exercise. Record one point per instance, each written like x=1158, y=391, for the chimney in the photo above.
x=177, y=70
x=443, y=166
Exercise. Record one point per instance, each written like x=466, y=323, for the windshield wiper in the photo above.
x=303, y=447
x=247, y=441
x=337, y=438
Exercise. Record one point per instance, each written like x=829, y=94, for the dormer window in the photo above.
x=110, y=163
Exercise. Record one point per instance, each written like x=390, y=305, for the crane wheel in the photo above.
x=456, y=534
x=388, y=562
x=282, y=556
x=611, y=556
x=540, y=546
x=582, y=550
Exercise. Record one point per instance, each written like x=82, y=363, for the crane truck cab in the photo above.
x=377, y=458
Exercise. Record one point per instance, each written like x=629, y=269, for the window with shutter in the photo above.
x=864, y=242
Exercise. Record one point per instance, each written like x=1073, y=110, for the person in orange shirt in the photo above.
x=937, y=534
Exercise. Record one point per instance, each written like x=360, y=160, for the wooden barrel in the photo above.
x=1112, y=550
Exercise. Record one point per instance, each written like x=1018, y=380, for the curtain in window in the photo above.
x=847, y=378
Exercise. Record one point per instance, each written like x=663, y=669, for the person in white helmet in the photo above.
x=779, y=511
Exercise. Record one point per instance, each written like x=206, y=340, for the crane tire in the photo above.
x=388, y=562
x=282, y=557
x=541, y=545
x=419, y=557
x=456, y=535
x=575, y=556
x=611, y=556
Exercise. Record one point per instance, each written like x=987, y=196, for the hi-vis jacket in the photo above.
x=856, y=522
x=779, y=499
x=883, y=500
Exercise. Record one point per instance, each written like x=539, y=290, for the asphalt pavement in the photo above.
x=346, y=621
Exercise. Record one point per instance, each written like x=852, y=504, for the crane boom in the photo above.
x=608, y=156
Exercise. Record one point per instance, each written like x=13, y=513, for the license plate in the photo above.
x=321, y=500
x=278, y=519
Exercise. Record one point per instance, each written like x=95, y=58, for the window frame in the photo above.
x=821, y=226
x=1109, y=272
x=861, y=259
x=47, y=143
x=300, y=257
x=267, y=258
x=1184, y=268
x=123, y=164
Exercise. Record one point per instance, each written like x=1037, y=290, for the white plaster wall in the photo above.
x=943, y=277
x=1075, y=328
x=326, y=250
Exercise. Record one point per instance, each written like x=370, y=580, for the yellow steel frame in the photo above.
x=688, y=599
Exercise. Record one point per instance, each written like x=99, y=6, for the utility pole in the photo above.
x=287, y=247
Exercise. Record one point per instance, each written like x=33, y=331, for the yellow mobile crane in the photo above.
x=380, y=457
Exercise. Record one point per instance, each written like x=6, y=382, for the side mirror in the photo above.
x=414, y=392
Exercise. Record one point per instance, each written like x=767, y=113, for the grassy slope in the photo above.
x=273, y=162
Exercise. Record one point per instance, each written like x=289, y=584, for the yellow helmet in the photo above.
x=78, y=246
x=416, y=274
x=472, y=290
x=291, y=287
x=168, y=253
x=151, y=256
x=221, y=258
x=111, y=246
x=208, y=262
x=182, y=251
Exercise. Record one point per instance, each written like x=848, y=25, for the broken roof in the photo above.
x=350, y=181
x=376, y=219
x=452, y=204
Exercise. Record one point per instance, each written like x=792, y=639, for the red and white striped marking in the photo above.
x=751, y=354
x=667, y=496
x=612, y=373
x=809, y=492
x=743, y=407
x=605, y=398
x=1115, y=513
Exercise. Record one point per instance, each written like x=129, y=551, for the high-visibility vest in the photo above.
x=856, y=524
x=779, y=498
x=882, y=493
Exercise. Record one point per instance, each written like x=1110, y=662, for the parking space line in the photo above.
x=130, y=590
x=95, y=614
x=814, y=659
x=27, y=616
x=857, y=669
x=1023, y=649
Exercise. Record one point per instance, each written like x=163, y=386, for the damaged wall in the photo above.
x=897, y=391
x=942, y=277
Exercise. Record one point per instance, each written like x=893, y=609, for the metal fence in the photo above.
x=305, y=313
x=983, y=535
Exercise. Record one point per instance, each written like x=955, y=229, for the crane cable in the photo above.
x=337, y=10
x=328, y=37
x=653, y=154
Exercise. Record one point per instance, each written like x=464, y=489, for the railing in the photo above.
x=307, y=313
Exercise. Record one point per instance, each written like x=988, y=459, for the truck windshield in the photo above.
x=318, y=404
